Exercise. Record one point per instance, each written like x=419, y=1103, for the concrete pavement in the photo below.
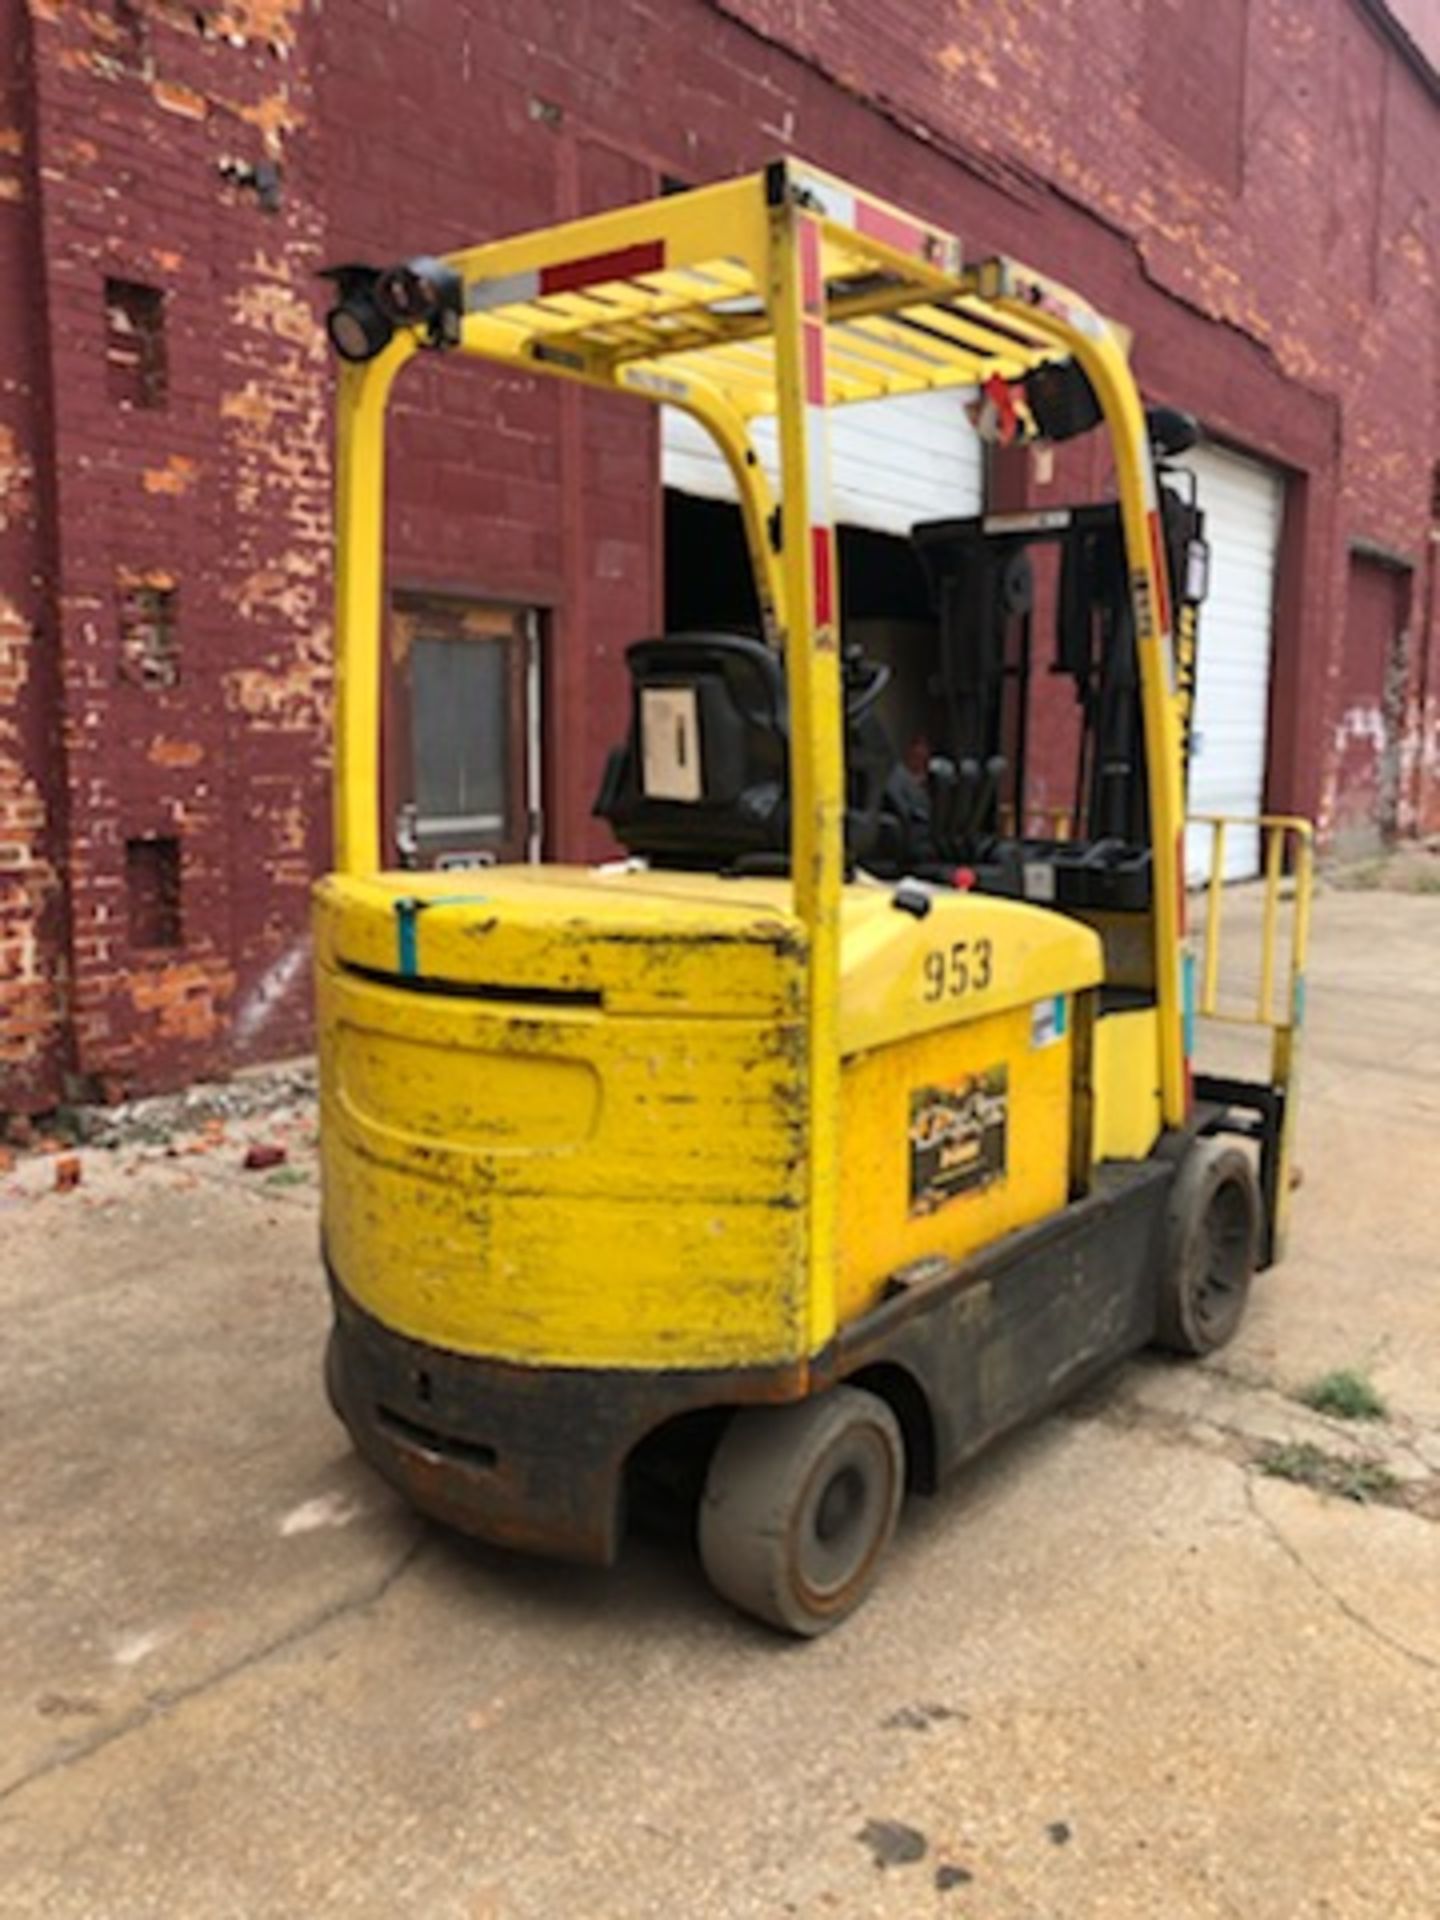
x=1113, y=1671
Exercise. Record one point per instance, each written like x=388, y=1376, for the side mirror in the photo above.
x=1061, y=400
x=1171, y=432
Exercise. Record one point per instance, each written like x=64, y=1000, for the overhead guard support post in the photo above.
x=359, y=588
x=796, y=297
x=1100, y=356
x=726, y=427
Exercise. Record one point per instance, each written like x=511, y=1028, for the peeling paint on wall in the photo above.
x=177, y=475
x=17, y=474
x=29, y=883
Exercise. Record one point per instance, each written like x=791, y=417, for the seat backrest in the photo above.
x=702, y=777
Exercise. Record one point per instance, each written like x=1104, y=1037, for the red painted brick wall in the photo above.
x=33, y=948
x=1251, y=186
x=221, y=492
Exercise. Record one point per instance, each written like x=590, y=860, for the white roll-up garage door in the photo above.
x=892, y=462
x=1242, y=501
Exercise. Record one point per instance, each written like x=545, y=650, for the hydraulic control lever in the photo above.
x=972, y=778
x=960, y=802
x=995, y=769
x=943, y=782
x=980, y=784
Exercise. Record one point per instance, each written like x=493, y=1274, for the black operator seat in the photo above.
x=703, y=778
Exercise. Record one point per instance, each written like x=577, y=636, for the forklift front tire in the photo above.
x=800, y=1504
x=1212, y=1235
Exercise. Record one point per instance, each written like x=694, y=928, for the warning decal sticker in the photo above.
x=1047, y=1021
x=957, y=1137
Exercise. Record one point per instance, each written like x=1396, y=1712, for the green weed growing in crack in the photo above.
x=287, y=1177
x=1346, y=1394
x=1311, y=1466
x=1367, y=876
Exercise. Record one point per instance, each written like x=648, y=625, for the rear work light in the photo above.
x=372, y=302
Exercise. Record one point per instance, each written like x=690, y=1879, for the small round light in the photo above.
x=357, y=328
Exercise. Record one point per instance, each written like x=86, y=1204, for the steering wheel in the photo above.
x=859, y=700
x=1104, y=853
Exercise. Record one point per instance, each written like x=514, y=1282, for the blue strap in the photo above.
x=407, y=927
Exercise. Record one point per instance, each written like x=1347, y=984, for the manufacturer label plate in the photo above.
x=958, y=1138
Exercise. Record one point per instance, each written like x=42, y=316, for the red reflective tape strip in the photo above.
x=1157, y=561
x=891, y=229
x=812, y=280
x=998, y=392
x=822, y=564
x=623, y=264
x=813, y=348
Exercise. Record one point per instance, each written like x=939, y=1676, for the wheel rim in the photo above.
x=842, y=1520
x=1220, y=1262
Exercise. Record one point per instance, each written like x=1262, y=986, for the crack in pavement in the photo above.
x=1351, y=1612
x=1238, y=1447
x=1224, y=1439
x=165, y=1701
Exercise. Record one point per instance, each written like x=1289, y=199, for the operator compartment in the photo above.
x=564, y=1113
x=966, y=1106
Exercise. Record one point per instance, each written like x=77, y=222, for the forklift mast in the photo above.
x=982, y=581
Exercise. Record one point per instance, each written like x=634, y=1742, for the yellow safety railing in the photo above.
x=1283, y=835
x=1059, y=820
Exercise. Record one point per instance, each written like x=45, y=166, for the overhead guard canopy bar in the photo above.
x=682, y=282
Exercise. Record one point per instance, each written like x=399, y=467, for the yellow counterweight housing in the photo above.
x=564, y=1110
x=564, y=1123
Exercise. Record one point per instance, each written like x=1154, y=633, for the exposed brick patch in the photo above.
x=152, y=892
x=17, y=480
x=149, y=630
x=177, y=476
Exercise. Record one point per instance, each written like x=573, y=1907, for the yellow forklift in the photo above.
x=844, y=1123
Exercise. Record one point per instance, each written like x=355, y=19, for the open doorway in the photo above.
x=884, y=603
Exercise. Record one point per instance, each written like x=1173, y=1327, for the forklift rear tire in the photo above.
x=800, y=1504
x=1212, y=1232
